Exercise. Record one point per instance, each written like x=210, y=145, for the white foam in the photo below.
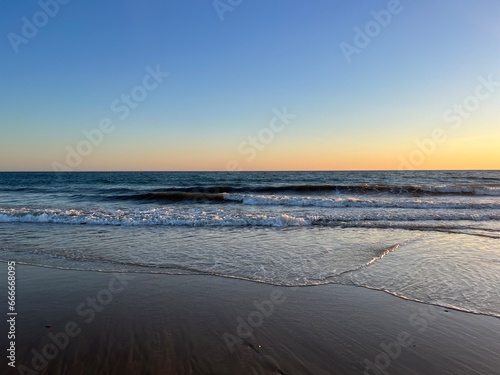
x=150, y=217
x=484, y=190
x=423, y=203
x=233, y=216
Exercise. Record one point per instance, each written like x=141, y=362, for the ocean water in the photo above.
x=432, y=237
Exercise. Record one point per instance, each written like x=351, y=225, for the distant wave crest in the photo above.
x=175, y=196
x=213, y=192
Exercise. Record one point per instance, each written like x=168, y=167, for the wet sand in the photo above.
x=79, y=322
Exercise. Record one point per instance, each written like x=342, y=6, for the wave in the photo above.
x=208, y=191
x=283, y=200
x=427, y=221
x=176, y=196
x=121, y=218
x=219, y=194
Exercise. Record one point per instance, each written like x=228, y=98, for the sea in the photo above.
x=427, y=236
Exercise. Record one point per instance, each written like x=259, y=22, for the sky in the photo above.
x=249, y=85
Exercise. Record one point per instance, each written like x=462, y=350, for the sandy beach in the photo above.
x=78, y=322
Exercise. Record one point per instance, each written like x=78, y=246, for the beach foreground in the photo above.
x=104, y=323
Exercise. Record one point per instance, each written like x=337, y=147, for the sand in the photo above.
x=80, y=322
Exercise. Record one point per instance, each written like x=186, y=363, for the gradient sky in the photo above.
x=228, y=76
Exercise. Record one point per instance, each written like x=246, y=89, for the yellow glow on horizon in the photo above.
x=366, y=153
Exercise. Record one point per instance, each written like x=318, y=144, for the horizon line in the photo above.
x=253, y=171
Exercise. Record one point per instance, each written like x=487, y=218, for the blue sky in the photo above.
x=226, y=77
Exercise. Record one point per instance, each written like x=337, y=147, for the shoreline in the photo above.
x=392, y=294
x=105, y=323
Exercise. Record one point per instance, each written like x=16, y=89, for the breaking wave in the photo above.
x=213, y=192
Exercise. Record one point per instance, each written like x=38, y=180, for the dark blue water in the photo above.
x=253, y=199
x=428, y=236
